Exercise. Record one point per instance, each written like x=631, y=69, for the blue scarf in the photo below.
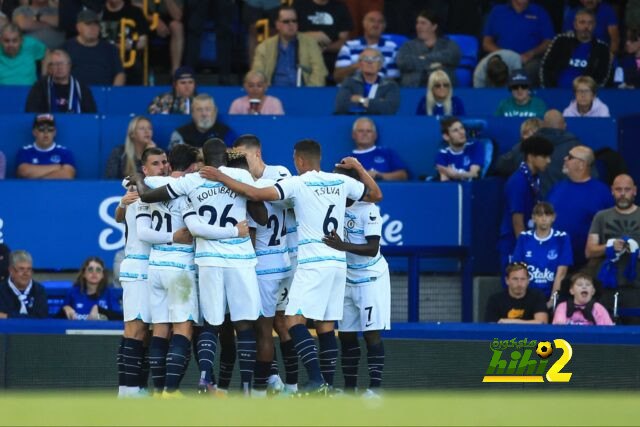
x=73, y=100
x=532, y=180
x=608, y=273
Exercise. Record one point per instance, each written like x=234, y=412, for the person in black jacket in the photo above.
x=59, y=91
x=576, y=53
x=20, y=296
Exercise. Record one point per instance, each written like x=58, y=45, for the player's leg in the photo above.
x=349, y=327
x=145, y=369
x=264, y=354
x=288, y=350
x=122, y=379
x=133, y=354
x=158, y=348
x=206, y=347
x=375, y=307
x=178, y=355
x=375, y=358
x=228, y=352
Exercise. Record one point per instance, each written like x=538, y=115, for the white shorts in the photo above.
x=274, y=295
x=317, y=293
x=235, y=286
x=135, y=300
x=173, y=296
x=367, y=307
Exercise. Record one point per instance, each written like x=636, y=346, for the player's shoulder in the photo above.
x=238, y=174
x=265, y=182
x=276, y=172
x=158, y=181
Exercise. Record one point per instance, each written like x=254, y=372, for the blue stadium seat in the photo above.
x=469, y=49
x=57, y=291
x=399, y=39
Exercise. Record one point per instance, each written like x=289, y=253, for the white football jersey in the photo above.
x=167, y=217
x=319, y=200
x=218, y=205
x=277, y=173
x=271, y=240
x=136, y=252
x=363, y=219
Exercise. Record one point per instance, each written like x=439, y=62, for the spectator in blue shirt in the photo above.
x=578, y=198
x=44, y=159
x=461, y=159
x=439, y=100
x=382, y=163
x=522, y=191
x=606, y=22
x=89, y=298
x=545, y=250
x=522, y=27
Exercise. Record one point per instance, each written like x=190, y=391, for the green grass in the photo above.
x=427, y=408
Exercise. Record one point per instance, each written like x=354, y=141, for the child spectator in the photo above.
x=529, y=127
x=582, y=308
x=521, y=103
x=439, y=100
x=586, y=104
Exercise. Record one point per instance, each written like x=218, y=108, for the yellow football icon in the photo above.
x=544, y=349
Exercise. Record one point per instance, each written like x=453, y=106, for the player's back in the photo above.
x=136, y=252
x=363, y=219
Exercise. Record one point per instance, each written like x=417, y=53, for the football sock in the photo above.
x=227, y=359
x=121, y=375
x=328, y=355
x=273, y=369
x=207, y=346
x=290, y=359
x=144, y=373
x=158, y=348
x=179, y=348
x=132, y=360
x=186, y=364
x=307, y=351
x=261, y=375
x=350, y=360
x=246, y=344
x=375, y=362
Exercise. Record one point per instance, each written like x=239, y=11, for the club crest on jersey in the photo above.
x=528, y=254
x=466, y=161
x=552, y=254
x=350, y=224
x=378, y=159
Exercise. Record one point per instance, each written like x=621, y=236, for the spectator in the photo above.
x=529, y=127
x=439, y=100
x=554, y=129
x=582, y=308
x=44, y=159
x=522, y=191
x=630, y=63
x=494, y=69
x=517, y=303
x=125, y=160
x=204, y=125
x=290, y=58
x=606, y=28
x=256, y=101
x=136, y=35
x=545, y=250
x=521, y=103
x=328, y=22
x=522, y=27
x=366, y=91
x=20, y=296
x=59, y=91
x=612, y=245
x=586, y=104
x=382, y=163
x=347, y=62
x=3, y=19
x=576, y=53
x=89, y=298
x=4, y=261
x=428, y=52
x=578, y=198
x=95, y=61
x=254, y=10
x=179, y=100
x=39, y=20
x=460, y=160
x=18, y=57
x=3, y=165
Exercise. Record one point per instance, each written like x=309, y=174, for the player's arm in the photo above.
x=148, y=195
x=258, y=212
x=517, y=222
x=252, y=193
x=153, y=237
x=365, y=249
x=127, y=199
x=63, y=172
x=373, y=193
x=199, y=228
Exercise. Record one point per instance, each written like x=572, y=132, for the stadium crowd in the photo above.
x=569, y=235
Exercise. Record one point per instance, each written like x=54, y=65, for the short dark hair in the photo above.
x=247, y=140
x=286, y=7
x=536, y=145
x=497, y=71
x=182, y=156
x=309, y=149
x=447, y=122
x=429, y=14
x=151, y=151
x=237, y=160
x=214, y=152
x=543, y=208
x=348, y=172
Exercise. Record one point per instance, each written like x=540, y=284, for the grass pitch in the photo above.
x=427, y=408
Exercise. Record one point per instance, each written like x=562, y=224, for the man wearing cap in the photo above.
x=95, y=62
x=59, y=91
x=180, y=99
x=44, y=159
x=521, y=103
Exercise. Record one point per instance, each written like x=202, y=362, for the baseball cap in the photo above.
x=88, y=16
x=519, y=77
x=44, y=119
x=184, y=72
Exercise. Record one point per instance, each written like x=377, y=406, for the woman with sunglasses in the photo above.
x=521, y=103
x=89, y=298
x=439, y=100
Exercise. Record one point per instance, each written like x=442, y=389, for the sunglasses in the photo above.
x=289, y=21
x=441, y=85
x=94, y=269
x=43, y=128
x=514, y=87
x=519, y=263
x=371, y=59
x=571, y=157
